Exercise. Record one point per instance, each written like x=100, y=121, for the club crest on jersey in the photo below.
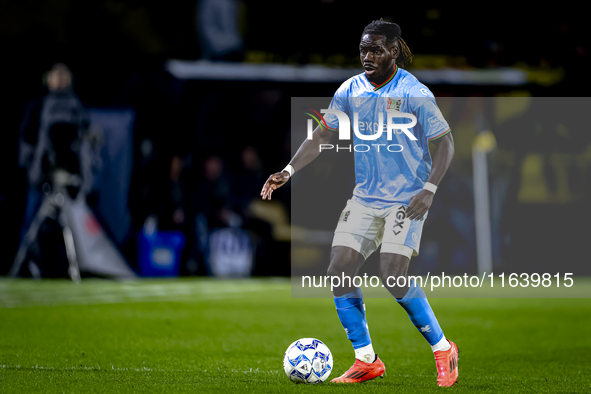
x=394, y=104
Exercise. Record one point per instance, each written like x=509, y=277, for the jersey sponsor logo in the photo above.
x=374, y=127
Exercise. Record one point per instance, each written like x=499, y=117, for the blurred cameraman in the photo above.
x=50, y=135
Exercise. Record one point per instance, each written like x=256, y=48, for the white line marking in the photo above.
x=124, y=293
x=143, y=369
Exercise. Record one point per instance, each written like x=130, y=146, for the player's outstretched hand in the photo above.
x=274, y=182
x=419, y=205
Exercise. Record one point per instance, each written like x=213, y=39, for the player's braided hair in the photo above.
x=393, y=35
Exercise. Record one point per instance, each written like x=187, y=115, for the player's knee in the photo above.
x=388, y=279
x=337, y=268
x=394, y=269
x=342, y=261
x=332, y=270
x=393, y=265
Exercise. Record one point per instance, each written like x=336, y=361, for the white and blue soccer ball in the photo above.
x=307, y=360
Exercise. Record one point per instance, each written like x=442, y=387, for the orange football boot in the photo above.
x=360, y=372
x=447, y=365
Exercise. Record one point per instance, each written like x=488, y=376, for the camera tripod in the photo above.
x=53, y=206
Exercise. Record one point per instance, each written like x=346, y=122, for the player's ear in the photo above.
x=395, y=50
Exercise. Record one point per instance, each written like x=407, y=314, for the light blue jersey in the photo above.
x=391, y=175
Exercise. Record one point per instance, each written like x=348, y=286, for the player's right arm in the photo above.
x=308, y=151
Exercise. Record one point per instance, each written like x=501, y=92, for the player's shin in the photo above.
x=419, y=310
x=351, y=311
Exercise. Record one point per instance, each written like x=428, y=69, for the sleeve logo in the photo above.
x=434, y=121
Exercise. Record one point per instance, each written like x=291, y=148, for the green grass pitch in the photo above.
x=205, y=335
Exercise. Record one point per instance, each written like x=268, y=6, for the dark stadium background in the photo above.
x=118, y=50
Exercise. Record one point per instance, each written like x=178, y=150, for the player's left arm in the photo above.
x=421, y=202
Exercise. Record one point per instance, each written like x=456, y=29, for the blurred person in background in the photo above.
x=49, y=127
x=213, y=197
x=218, y=30
x=212, y=203
x=169, y=196
x=248, y=177
x=52, y=146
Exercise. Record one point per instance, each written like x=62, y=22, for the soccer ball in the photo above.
x=307, y=360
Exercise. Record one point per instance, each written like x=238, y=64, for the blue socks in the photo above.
x=416, y=305
x=351, y=311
